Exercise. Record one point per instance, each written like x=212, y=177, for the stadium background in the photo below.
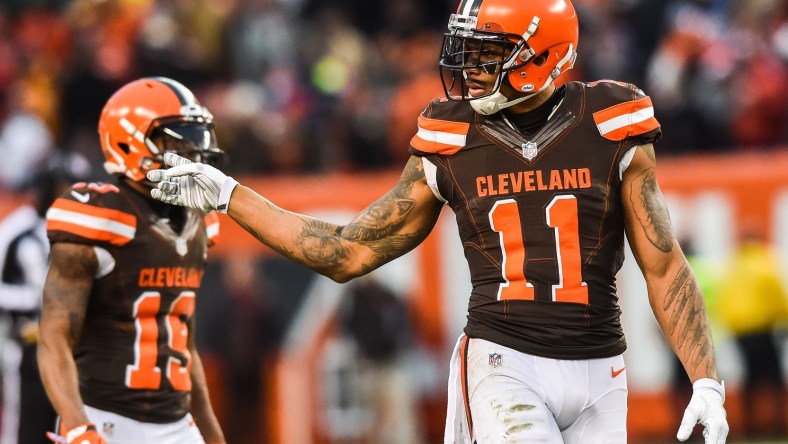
x=315, y=102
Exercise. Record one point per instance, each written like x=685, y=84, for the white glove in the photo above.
x=192, y=184
x=84, y=434
x=705, y=407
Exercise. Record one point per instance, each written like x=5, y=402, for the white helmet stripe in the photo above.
x=470, y=7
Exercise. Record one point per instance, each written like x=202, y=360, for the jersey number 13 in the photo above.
x=144, y=373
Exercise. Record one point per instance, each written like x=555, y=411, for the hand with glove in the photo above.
x=191, y=184
x=84, y=434
x=705, y=407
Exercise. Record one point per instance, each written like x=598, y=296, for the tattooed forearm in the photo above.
x=320, y=244
x=684, y=303
x=678, y=294
x=652, y=212
x=380, y=227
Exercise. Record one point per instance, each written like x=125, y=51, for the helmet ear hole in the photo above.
x=541, y=59
x=124, y=147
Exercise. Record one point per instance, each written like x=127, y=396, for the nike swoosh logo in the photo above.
x=615, y=373
x=84, y=198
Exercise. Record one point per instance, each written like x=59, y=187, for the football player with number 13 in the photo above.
x=116, y=351
x=545, y=182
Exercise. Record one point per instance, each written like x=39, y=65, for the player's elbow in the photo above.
x=344, y=276
x=348, y=271
x=341, y=278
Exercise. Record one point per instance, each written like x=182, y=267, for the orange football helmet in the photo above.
x=150, y=116
x=529, y=43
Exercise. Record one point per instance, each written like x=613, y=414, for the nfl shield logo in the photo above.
x=496, y=360
x=108, y=428
x=529, y=150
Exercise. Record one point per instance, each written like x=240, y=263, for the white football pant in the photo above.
x=499, y=395
x=117, y=429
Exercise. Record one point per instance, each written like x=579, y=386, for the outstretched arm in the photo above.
x=673, y=290
x=390, y=227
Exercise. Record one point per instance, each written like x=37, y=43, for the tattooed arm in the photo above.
x=66, y=291
x=673, y=291
x=390, y=227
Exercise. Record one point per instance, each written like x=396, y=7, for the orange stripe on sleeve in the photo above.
x=444, y=126
x=440, y=136
x=626, y=119
x=90, y=210
x=88, y=233
x=90, y=222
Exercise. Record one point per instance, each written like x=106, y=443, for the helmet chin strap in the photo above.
x=496, y=102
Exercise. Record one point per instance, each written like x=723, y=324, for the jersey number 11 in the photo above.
x=562, y=217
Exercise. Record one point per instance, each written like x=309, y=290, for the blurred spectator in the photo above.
x=25, y=140
x=753, y=307
x=101, y=61
x=311, y=86
x=760, y=112
x=251, y=329
x=378, y=322
x=24, y=252
x=688, y=78
x=420, y=84
x=182, y=39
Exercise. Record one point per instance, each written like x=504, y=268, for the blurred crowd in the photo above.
x=312, y=86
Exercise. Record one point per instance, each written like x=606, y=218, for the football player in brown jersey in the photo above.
x=117, y=353
x=544, y=182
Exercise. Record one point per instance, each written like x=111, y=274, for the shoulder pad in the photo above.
x=621, y=110
x=90, y=213
x=442, y=127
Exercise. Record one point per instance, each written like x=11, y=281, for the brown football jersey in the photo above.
x=132, y=354
x=539, y=214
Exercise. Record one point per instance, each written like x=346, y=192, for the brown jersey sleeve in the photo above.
x=623, y=113
x=442, y=128
x=88, y=213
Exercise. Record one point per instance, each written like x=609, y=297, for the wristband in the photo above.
x=709, y=383
x=228, y=186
